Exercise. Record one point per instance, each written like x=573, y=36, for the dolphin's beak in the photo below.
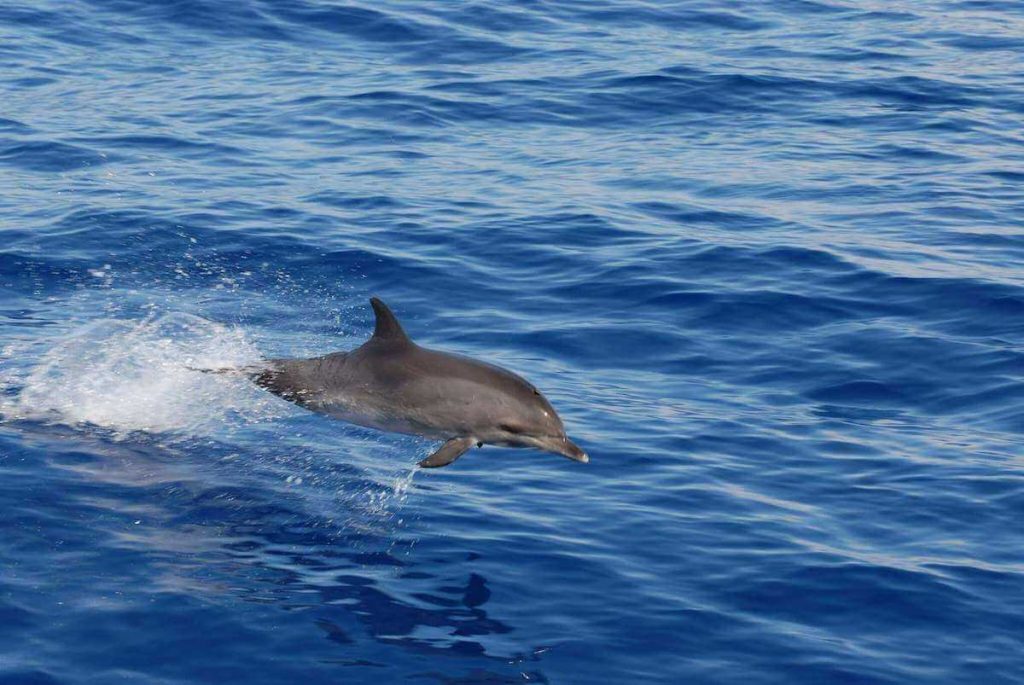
x=567, y=448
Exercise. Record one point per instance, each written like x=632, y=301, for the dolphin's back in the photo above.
x=438, y=392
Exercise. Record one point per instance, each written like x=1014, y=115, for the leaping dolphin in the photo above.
x=392, y=384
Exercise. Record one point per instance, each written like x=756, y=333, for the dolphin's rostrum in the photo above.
x=392, y=384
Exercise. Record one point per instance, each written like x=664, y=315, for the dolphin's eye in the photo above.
x=510, y=429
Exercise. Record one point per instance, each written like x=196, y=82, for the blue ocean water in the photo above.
x=767, y=260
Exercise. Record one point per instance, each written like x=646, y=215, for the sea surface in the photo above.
x=766, y=259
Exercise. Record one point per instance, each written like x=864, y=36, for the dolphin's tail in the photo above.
x=286, y=378
x=266, y=376
x=248, y=371
x=290, y=379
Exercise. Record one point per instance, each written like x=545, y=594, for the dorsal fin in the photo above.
x=388, y=329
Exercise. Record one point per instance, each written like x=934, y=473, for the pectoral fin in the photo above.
x=449, y=452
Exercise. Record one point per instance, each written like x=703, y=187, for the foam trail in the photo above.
x=135, y=376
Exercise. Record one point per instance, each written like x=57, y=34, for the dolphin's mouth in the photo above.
x=575, y=452
x=565, y=447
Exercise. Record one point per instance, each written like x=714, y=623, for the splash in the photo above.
x=135, y=376
x=390, y=492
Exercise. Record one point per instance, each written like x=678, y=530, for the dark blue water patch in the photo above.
x=28, y=16
x=36, y=275
x=806, y=7
x=419, y=42
x=1006, y=175
x=359, y=22
x=673, y=94
x=866, y=393
x=41, y=156
x=719, y=261
x=964, y=306
x=894, y=597
x=913, y=91
x=345, y=201
x=13, y=126
x=17, y=618
x=136, y=230
x=243, y=20
x=676, y=19
x=853, y=56
x=894, y=16
x=984, y=43
x=775, y=310
x=156, y=143
x=22, y=317
x=897, y=153
x=523, y=18
x=31, y=82
x=64, y=24
x=697, y=216
x=963, y=214
x=997, y=392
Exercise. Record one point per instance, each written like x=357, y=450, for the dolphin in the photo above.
x=392, y=384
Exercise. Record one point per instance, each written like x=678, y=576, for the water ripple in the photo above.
x=765, y=258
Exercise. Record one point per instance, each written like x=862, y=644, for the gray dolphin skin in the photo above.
x=392, y=384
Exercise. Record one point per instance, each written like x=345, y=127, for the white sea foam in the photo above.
x=136, y=376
